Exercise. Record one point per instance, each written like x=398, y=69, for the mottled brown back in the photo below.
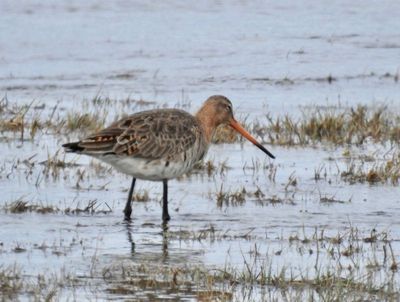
x=153, y=134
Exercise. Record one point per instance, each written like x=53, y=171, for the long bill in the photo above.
x=235, y=125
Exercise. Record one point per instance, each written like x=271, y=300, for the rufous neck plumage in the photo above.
x=207, y=121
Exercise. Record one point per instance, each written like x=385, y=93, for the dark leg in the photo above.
x=128, y=224
x=128, y=206
x=165, y=240
x=165, y=215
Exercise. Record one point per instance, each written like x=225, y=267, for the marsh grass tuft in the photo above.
x=225, y=134
x=337, y=126
x=11, y=282
x=239, y=196
x=21, y=206
x=16, y=286
x=84, y=121
x=210, y=167
x=329, y=199
x=92, y=207
x=141, y=196
x=379, y=172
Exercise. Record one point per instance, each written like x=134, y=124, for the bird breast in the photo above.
x=160, y=168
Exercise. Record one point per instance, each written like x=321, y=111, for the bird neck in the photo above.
x=207, y=123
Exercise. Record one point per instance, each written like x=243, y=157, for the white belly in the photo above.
x=148, y=169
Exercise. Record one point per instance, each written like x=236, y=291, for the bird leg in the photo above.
x=128, y=206
x=165, y=215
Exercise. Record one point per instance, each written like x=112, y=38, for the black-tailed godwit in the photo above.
x=160, y=144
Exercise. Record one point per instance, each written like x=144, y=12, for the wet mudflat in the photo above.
x=318, y=223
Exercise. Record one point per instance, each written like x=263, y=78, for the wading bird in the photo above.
x=160, y=144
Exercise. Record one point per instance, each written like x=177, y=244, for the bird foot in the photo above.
x=166, y=218
x=127, y=213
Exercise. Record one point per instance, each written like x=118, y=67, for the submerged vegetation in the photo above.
x=350, y=265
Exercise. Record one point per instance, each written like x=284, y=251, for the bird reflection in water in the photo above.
x=164, y=233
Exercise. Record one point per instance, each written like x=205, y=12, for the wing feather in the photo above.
x=149, y=134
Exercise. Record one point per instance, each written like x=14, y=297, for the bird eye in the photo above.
x=228, y=108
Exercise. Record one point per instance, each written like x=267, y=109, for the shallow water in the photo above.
x=68, y=51
x=268, y=57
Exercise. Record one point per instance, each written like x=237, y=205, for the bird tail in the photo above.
x=73, y=147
